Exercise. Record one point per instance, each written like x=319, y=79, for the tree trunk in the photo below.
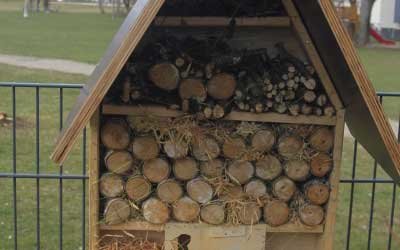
x=199, y=190
x=365, y=18
x=26, y=8
x=185, y=169
x=117, y=211
x=186, y=210
x=101, y=7
x=276, y=213
x=155, y=211
x=137, y=188
x=111, y=185
x=213, y=214
x=46, y=6
x=169, y=191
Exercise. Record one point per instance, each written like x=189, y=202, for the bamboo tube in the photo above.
x=316, y=192
x=263, y=140
x=185, y=169
x=111, y=185
x=283, y=188
x=212, y=168
x=268, y=168
x=322, y=139
x=137, y=188
x=321, y=165
x=119, y=162
x=255, y=189
x=205, y=149
x=311, y=215
x=297, y=170
x=234, y=148
x=156, y=170
x=145, y=148
x=114, y=134
x=221, y=86
x=199, y=190
x=213, y=214
x=240, y=171
x=250, y=213
x=290, y=146
x=186, y=210
x=169, y=191
x=175, y=150
x=155, y=211
x=117, y=211
x=164, y=75
x=276, y=213
x=192, y=88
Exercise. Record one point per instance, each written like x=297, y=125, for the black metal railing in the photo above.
x=42, y=228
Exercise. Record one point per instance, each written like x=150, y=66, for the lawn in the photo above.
x=87, y=43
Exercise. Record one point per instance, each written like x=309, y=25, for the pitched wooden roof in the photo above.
x=364, y=114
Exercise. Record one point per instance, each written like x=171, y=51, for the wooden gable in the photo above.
x=341, y=69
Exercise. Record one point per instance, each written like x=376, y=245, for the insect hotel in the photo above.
x=219, y=125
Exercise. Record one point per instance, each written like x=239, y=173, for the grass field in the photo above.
x=55, y=35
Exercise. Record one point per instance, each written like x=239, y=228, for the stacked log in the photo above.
x=215, y=179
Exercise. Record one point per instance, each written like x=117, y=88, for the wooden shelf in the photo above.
x=161, y=111
x=146, y=226
x=176, y=21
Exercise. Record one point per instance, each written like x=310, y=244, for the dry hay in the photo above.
x=126, y=241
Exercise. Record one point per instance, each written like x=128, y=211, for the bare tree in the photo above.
x=365, y=18
x=101, y=7
x=46, y=5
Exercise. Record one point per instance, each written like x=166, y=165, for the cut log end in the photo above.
x=322, y=139
x=212, y=169
x=156, y=170
x=213, y=214
x=175, y=150
x=276, y=213
x=111, y=185
x=234, y=148
x=117, y=211
x=185, y=169
x=263, y=140
x=311, y=215
x=186, y=210
x=268, y=168
x=297, y=170
x=192, y=88
x=205, y=149
x=137, y=188
x=199, y=190
x=240, y=171
x=232, y=193
x=115, y=134
x=221, y=86
x=169, y=191
x=250, y=213
x=119, y=162
x=164, y=75
x=255, y=189
x=290, y=146
x=283, y=188
x=145, y=148
x=155, y=211
x=321, y=165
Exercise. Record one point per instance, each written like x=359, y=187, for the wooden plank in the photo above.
x=176, y=21
x=146, y=226
x=312, y=53
x=233, y=116
x=120, y=49
x=364, y=114
x=94, y=196
x=327, y=238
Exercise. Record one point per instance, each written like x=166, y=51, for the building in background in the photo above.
x=385, y=17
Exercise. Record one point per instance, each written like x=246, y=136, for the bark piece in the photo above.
x=263, y=140
x=213, y=214
x=117, y=211
x=185, y=169
x=290, y=146
x=205, y=149
x=268, y=168
x=234, y=148
x=164, y=75
x=111, y=185
x=115, y=134
x=118, y=162
x=156, y=170
x=283, y=188
x=250, y=213
x=316, y=192
x=221, y=86
x=311, y=215
x=145, y=148
x=255, y=188
x=192, y=88
x=240, y=171
x=137, y=188
x=321, y=165
x=322, y=139
x=155, y=211
x=199, y=190
x=276, y=213
x=212, y=168
x=186, y=210
x=169, y=191
x=175, y=150
x=297, y=170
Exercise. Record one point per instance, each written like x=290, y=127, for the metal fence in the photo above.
x=43, y=224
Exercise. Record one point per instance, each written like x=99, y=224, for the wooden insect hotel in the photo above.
x=219, y=125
